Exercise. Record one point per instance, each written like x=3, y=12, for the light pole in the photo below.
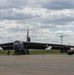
x=61, y=39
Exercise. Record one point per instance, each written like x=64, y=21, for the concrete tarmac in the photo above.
x=37, y=65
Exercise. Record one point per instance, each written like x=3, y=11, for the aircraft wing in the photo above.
x=30, y=45
x=7, y=46
x=34, y=45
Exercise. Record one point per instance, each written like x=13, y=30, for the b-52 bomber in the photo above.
x=22, y=47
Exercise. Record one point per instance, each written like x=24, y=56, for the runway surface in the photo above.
x=37, y=65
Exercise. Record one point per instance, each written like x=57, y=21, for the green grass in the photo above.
x=5, y=52
x=44, y=52
x=34, y=52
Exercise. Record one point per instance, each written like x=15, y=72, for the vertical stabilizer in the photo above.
x=28, y=38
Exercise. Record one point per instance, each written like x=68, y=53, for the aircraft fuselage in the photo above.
x=19, y=48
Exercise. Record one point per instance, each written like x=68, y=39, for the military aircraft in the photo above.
x=22, y=47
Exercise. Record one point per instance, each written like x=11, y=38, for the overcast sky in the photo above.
x=47, y=20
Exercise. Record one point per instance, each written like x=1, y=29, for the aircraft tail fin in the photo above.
x=28, y=38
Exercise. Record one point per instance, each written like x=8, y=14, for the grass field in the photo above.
x=34, y=52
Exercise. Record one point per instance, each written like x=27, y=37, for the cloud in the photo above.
x=8, y=4
x=59, y=4
x=36, y=13
x=57, y=17
x=44, y=18
x=15, y=14
x=48, y=4
x=18, y=4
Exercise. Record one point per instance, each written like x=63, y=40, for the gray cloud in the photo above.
x=49, y=4
x=58, y=21
x=7, y=4
x=18, y=4
x=59, y=4
x=13, y=14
